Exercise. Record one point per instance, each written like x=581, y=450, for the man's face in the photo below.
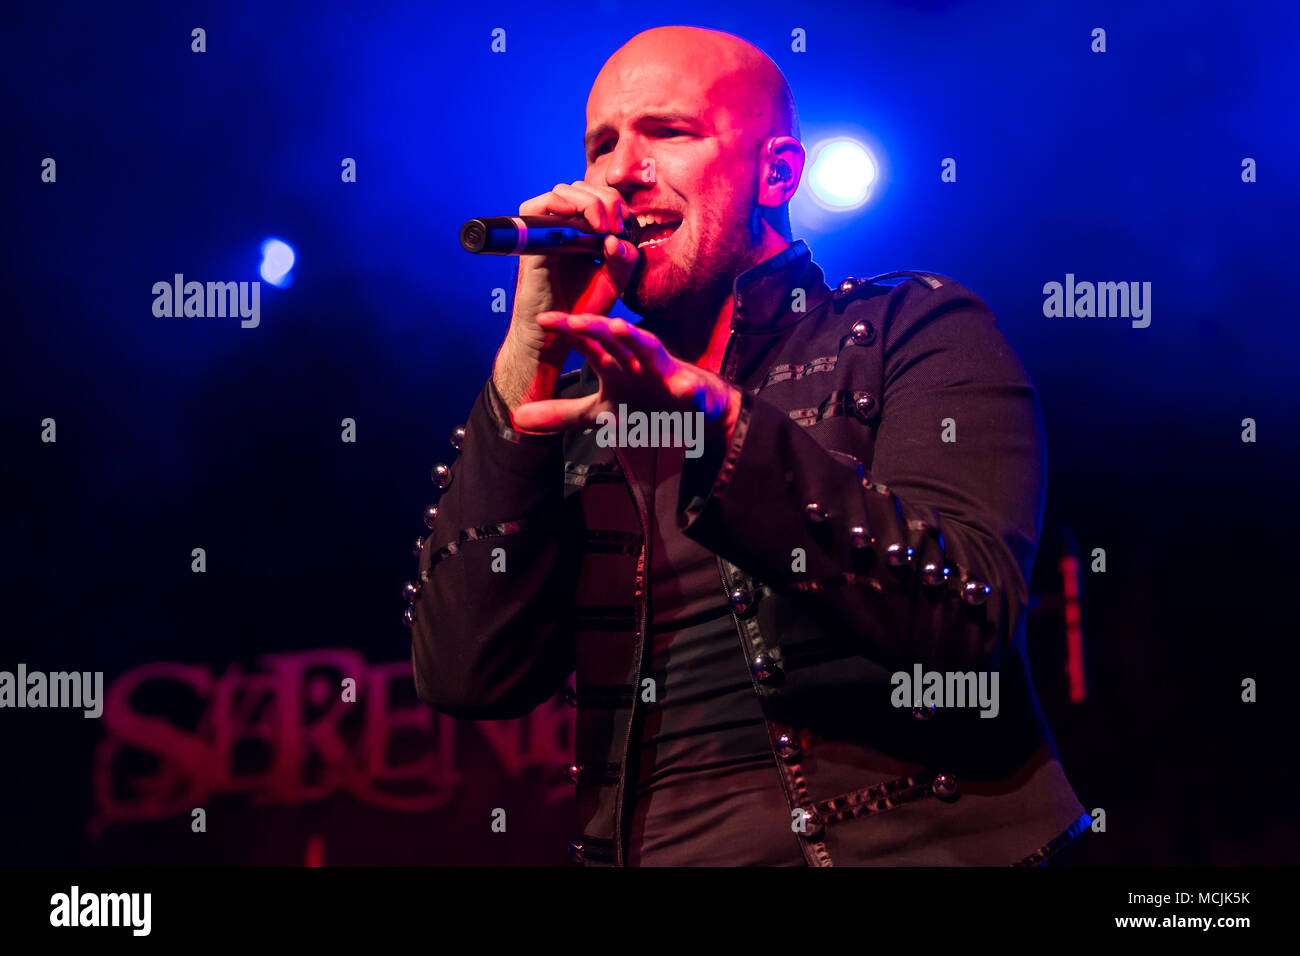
x=662, y=133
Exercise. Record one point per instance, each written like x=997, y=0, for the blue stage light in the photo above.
x=277, y=260
x=842, y=174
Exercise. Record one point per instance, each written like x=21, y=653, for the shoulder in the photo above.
x=920, y=288
x=904, y=302
x=924, y=319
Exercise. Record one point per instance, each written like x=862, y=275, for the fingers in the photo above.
x=646, y=347
x=592, y=207
x=587, y=205
x=602, y=329
x=634, y=350
x=547, y=204
x=633, y=364
x=601, y=207
x=575, y=331
x=615, y=208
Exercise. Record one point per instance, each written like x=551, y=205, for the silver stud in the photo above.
x=441, y=475
x=864, y=403
x=813, y=825
x=457, y=437
x=430, y=516
x=944, y=786
x=575, y=851
x=765, y=669
x=419, y=546
x=409, y=616
x=975, y=592
x=788, y=746
x=863, y=332
x=923, y=713
x=934, y=574
x=848, y=285
x=858, y=537
x=898, y=555
x=741, y=600
x=409, y=591
x=814, y=512
x=573, y=771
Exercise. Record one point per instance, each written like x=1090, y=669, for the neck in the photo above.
x=711, y=359
x=702, y=338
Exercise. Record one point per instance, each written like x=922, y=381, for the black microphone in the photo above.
x=539, y=235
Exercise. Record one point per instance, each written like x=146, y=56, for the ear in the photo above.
x=782, y=161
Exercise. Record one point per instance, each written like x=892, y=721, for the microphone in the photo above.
x=538, y=235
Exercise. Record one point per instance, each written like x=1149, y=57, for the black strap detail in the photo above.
x=1057, y=843
x=840, y=402
x=871, y=800
x=600, y=472
x=789, y=372
x=925, y=278
x=471, y=534
x=844, y=578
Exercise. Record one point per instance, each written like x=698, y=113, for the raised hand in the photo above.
x=634, y=369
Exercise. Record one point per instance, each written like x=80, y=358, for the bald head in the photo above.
x=701, y=126
x=731, y=73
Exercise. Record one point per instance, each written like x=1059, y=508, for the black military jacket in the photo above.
x=877, y=507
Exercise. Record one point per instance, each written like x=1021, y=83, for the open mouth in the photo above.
x=656, y=229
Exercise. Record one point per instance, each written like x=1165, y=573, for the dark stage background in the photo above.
x=183, y=433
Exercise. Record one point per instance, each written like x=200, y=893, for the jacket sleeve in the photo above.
x=487, y=637
x=925, y=556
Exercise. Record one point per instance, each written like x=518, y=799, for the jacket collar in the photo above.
x=763, y=295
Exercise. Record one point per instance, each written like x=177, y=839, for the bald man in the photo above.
x=800, y=639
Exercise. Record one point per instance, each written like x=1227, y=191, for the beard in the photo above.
x=698, y=275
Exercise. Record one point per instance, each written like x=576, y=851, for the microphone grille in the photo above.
x=631, y=231
x=473, y=235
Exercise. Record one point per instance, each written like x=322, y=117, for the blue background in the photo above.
x=179, y=433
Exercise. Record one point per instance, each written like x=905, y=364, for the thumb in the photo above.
x=619, y=261
x=556, y=414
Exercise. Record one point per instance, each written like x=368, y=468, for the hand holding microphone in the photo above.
x=531, y=357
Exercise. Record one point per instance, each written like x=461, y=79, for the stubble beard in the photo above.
x=699, y=286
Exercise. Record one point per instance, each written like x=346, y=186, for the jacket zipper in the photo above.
x=744, y=648
x=642, y=589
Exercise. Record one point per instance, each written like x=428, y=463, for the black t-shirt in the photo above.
x=705, y=788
